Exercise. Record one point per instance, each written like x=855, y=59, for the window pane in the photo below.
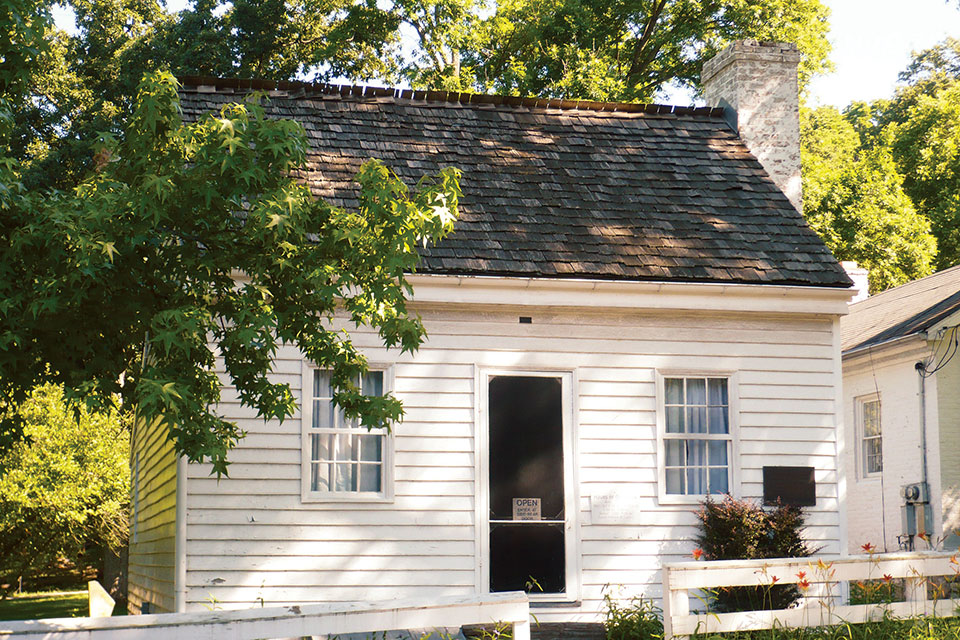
x=320, y=447
x=696, y=391
x=322, y=414
x=346, y=477
x=718, y=420
x=319, y=477
x=873, y=455
x=674, y=419
x=696, y=481
x=371, y=448
x=674, y=390
x=321, y=384
x=871, y=418
x=718, y=453
x=372, y=383
x=696, y=419
x=674, y=453
x=369, y=477
x=696, y=452
x=675, y=481
x=718, y=481
x=718, y=391
x=346, y=447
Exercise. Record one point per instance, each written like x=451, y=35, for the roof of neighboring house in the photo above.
x=558, y=188
x=902, y=311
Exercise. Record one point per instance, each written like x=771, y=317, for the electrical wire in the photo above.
x=950, y=347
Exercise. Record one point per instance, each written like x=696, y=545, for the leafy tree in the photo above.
x=630, y=50
x=64, y=491
x=854, y=198
x=927, y=145
x=148, y=251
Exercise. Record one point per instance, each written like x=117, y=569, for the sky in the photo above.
x=872, y=42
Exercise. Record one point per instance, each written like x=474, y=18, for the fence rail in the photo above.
x=286, y=622
x=820, y=581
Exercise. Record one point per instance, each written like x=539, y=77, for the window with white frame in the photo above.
x=871, y=436
x=343, y=457
x=697, y=439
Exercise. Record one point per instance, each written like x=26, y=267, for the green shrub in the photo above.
x=639, y=619
x=742, y=530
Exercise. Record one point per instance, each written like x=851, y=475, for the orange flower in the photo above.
x=953, y=559
x=801, y=574
x=923, y=536
x=868, y=548
x=887, y=577
x=774, y=580
x=697, y=553
x=803, y=584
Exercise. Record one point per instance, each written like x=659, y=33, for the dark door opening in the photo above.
x=527, y=516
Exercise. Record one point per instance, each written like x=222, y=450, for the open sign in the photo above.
x=526, y=508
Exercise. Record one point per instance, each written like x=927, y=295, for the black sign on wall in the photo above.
x=794, y=486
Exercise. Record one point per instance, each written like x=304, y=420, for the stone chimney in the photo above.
x=861, y=280
x=757, y=83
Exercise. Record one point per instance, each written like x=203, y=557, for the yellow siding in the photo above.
x=948, y=401
x=152, y=532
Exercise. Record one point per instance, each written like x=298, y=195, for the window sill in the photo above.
x=677, y=499
x=335, y=498
x=549, y=604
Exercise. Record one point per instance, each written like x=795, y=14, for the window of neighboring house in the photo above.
x=871, y=435
x=697, y=439
x=343, y=458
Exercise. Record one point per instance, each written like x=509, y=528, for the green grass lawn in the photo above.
x=30, y=606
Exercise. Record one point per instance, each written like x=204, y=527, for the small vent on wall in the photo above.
x=526, y=320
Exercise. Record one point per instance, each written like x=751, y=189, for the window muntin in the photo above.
x=871, y=435
x=697, y=441
x=345, y=458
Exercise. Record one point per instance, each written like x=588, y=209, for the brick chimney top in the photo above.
x=757, y=83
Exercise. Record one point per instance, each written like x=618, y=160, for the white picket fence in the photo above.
x=510, y=608
x=821, y=604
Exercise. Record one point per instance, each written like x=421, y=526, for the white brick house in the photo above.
x=901, y=389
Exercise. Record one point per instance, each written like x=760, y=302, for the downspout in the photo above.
x=923, y=426
x=180, y=540
x=921, y=370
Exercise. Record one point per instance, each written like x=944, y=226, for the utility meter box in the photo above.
x=916, y=493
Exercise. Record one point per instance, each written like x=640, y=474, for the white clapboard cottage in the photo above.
x=630, y=315
x=901, y=391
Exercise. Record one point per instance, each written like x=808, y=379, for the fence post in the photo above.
x=521, y=629
x=915, y=592
x=676, y=603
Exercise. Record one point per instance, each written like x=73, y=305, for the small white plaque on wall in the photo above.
x=616, y=507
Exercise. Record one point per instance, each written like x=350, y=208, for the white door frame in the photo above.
x=571, y=494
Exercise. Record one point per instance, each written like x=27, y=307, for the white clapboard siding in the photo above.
x=153, y=530
x=252, y=539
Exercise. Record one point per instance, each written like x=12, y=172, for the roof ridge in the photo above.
x=301, y=89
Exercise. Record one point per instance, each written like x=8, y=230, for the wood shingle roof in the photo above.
x=557, y=188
